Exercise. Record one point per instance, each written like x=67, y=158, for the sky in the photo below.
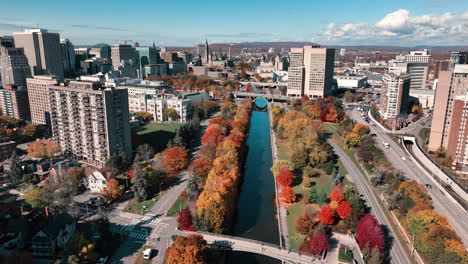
x=186, y=22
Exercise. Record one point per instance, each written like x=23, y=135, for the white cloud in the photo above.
x=401, y=28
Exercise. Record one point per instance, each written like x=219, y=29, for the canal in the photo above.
x=255, y=209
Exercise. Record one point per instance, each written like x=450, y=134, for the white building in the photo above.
x=425, y=97
x=96, y=179
x=394, y=95
x=158, y=104
x=353, y=82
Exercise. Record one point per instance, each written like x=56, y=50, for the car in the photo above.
x=147, y=253
x=103, y=260
x=428, y=186
x=7, y=185
x=403, y=158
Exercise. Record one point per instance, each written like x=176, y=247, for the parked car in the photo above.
x=147, y=253
x=103, y=260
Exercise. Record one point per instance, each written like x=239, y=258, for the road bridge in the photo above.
x=270, y=97
x=266, y=84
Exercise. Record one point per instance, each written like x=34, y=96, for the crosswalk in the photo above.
x=152, y=220
x=137, y=235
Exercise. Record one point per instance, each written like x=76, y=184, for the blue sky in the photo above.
x=177, y=22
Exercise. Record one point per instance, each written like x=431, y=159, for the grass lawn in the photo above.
x=284, y=152
x=177, y=206
x=294, y=211
x=143, y=207
x=157, y=134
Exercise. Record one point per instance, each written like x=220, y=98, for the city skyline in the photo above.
x=422, y=22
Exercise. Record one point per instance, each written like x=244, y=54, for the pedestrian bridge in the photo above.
x=257, y=247
x=270, y=97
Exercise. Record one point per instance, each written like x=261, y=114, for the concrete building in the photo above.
x=458, y=57
x=451, y=85
x=296, y=72
x=68, y=57
x=42, y=50
x=169, y=57
x=203, y=52
x=121, y=53
x=424, y=96
x=38, y=96
x=394, y=95
x=351, y=82
x=156, y=70
x=421, y=56
x=14, y=67
x=146, y=56
x=89, y=121
x=158, y=104
x=458, y=131
x=342, y=52
x=102, y=51
x=14, y=102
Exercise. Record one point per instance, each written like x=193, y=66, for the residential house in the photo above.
x=96, y=179
x=54, y=235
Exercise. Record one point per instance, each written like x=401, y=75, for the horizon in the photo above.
x=334, y=23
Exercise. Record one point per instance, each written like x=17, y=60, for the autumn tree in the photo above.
x=175, y=159
x=112, y=191
x=343, y=210
x=332, y=115
x=337, y=194
x=369, y=233
x=305, y=224
x=29, y=130
x=319, y=244
x=187, y=250
x=184, y=219
x=287, y=195
x=210, y=106
x=43, y=149
x=76, y=175
x=326, y=215
x=35, y=197
x=284, y=177
x=352, y=139
x=361, y=129
x=144, y=116
x=201, y=168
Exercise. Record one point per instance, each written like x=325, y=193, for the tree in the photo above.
x=319, y=244
x=284, y=177
x=348, y=96
x=73, y=259
x=287, y=195
x=29, y=130
x=145, y=152
x=175, y=159
x=187, y=250
x=337, y=194
x=305, y=224
x=201, y=168
x=369, y=233
x=145, y=116
x=332, y=115
x=139, y=184
x=76, y=175
x=119, y=161
x=344, y=210
x=352, y=139
x=210, y=106
x=43, y=149
x=112, y=191
x=15, y=172
x=326, y=215
x=184, y=219
x=361, y=129
x=171, y=113
x=35, y=197
x=313, y=195
x=299, y=159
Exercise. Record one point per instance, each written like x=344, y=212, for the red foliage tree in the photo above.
x=287, y=195
x=326, y=215
x=201, y=168
x=319, y=243
x=284, y=177
x=337, y=194
x=175, y=159
x=370, y=233
x=213, y=135
x=184, y=219
x=323, y=115
x=305, y=224
x=344, y=210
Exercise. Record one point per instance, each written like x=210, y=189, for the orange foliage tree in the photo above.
x=287, y=195
x=326, y=215
x=201, y=168
x=337, y=194
x=305, y=224
x=112, y=190
x=284, y=177
x=343, y=210
x=188, y=250
x=175, y=159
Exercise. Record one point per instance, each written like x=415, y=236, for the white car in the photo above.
x=147, y=253
x=403, y=158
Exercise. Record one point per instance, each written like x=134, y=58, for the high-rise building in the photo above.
x=121, y=53
x=38, y=95
x=68, y=57
x=317, y=73
x=14, y=102
x=203, y=52
x=89, y=121
x=7, y=41
x=146, y=56
x=458, y=131
x=458, y=57
x=416, y=65
x=451, y=85
x=42, y=50
x=421, y=56
x=102, y=51
x=438, y=66
x=342, y=52
x=394, y=95
x=14, y=66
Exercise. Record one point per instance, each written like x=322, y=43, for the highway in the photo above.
x=397, y=253
x=456, y=215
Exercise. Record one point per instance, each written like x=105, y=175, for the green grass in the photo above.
x=22, y=187
x=345, y=257
x=157, y=134
x=284, y=152
x=178, y=205
x=143, y=207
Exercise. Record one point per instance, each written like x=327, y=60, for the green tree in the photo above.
x=119, y=161
x=15, y=172
x=314, y=196
x=139, y=183
x=171, y=113
x=35, y=197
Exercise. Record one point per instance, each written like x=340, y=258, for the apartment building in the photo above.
x=160, y=103
x=451, y=86
x=90, y=121
x=14, y=102
x=394, y=95
x=311, y=71
x=38, y=96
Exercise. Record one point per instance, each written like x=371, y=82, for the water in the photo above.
x=255, y=208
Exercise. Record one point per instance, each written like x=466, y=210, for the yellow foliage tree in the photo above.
x=43, y=149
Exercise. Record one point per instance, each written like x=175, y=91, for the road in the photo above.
x=456, y=215
x=397, y=252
